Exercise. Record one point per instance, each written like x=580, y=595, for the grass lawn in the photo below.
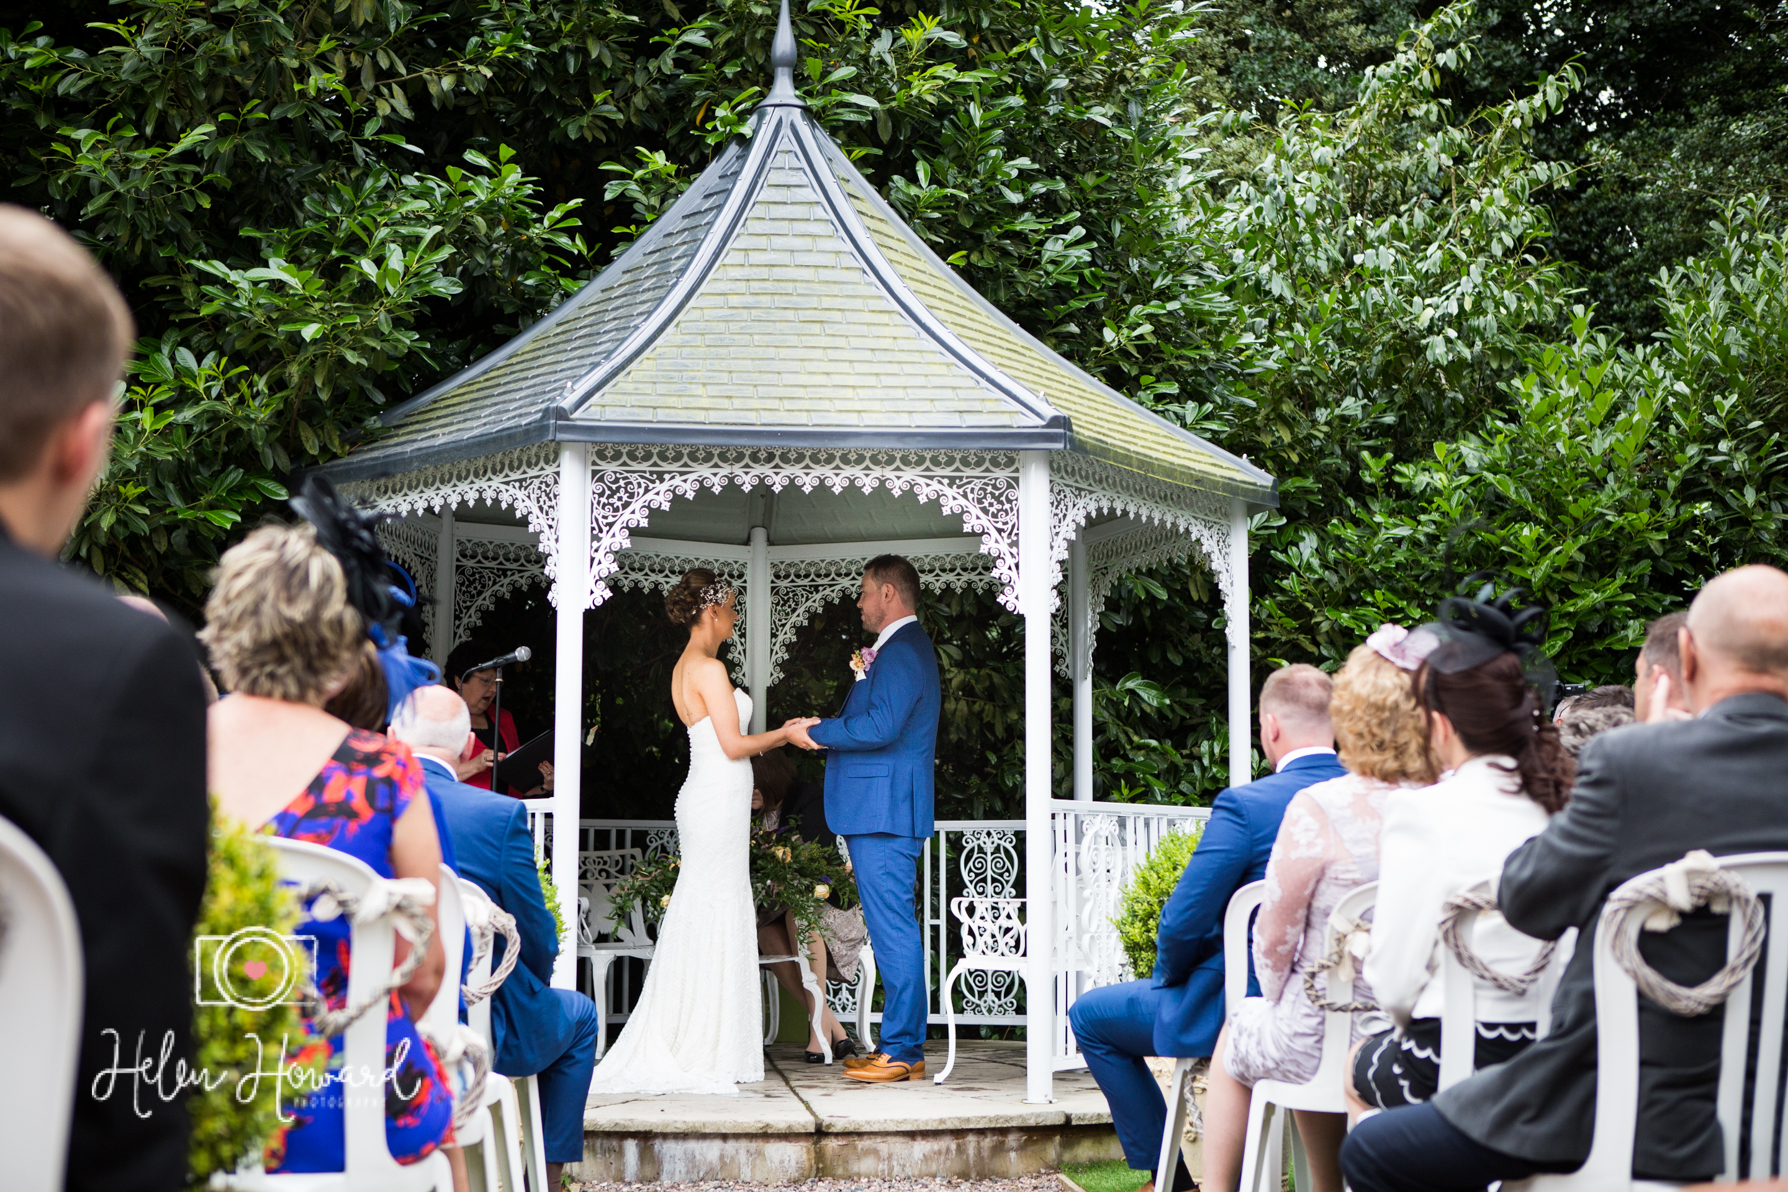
x=1113, y=1175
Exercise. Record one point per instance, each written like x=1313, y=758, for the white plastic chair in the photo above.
x=369, y=1166
x=506, y=1148
x=1268, y=1105
x=598, y=942
x=1242, y=905
x=993, y=941
x=1459, y=1015
x=41, y=998
x=1610, y=1163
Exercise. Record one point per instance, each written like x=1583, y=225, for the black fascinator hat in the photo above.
x=1471, y=630
x=380, y=591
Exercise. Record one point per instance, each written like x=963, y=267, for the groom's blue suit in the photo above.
x=882, y=748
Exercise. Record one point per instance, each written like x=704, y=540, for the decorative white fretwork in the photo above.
x=659, y=573
x=629, y=482
x=485, y=571
x=1174, y=523
x=525, y=481
x=987, y=914
x=412, y=546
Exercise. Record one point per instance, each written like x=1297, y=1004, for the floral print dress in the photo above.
x=353, y=805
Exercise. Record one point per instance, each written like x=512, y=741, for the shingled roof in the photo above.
x=782, y=302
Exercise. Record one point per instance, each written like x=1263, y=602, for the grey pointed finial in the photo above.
x=782, y=59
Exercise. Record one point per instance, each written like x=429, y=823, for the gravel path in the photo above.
x=1030, y=1183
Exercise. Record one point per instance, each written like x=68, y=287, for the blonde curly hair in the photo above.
x=1381, y=730
x=277, y=622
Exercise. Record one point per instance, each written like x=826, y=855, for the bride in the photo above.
x=698, y=1025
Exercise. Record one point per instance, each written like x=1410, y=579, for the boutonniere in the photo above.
x=860, y=663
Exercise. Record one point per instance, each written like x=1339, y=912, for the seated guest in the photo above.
x=539, y=1031
x=102, y=726
x=1327, y=846
x=791, y=806
x=1657, y=673
x=284, y=638
x=1506, y=775
x=1643, y=798
x=1595, y=711
x=1177, y=1011
x=484, y=744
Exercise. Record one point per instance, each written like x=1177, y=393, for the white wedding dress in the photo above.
x=698, y=1027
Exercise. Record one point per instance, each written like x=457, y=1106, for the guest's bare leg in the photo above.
x=1323, y=1134
x=1225, y=1123
x=816, y=960
x=456, y=1162
x=773, y=941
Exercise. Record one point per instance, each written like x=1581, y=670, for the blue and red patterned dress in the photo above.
x=353, y=805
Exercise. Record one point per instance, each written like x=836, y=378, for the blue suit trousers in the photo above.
x=565, y=1083
x=1115, y=1027
x=886, y=867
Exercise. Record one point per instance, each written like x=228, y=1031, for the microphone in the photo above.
x=519, y=654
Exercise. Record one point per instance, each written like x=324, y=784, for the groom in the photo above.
x=879, y=798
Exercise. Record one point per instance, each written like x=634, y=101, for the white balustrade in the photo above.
x=1096, y=847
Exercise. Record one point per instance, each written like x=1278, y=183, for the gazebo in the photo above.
x=780, y=380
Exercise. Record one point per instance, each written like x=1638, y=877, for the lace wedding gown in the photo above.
x=698, y=1027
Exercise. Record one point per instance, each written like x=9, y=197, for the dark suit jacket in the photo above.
x=493, y=847
x=102, y=763
x=804, y=813
x=882, y=748
x=1645, y=795
x=1233, y=851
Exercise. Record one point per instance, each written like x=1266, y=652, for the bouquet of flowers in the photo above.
x=785, y=871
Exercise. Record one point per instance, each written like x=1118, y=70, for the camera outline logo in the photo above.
x=291, y=950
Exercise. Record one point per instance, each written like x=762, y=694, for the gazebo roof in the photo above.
x=781, y=303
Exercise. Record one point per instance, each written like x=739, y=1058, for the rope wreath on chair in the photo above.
x=463, y=1045
x=1455, y=909
x=1663, y=898
x=406, y=900
x=487, y=920
x=1350, y=939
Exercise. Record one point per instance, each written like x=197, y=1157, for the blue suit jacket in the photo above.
x=492, y=844
x=1189, y=943
x=883, y=745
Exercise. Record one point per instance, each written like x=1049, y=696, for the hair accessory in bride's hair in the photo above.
x=713, y=595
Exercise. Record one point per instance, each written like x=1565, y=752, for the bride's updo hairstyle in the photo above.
x=698, y=590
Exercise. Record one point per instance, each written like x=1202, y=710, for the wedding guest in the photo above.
x=104, y=766
x=485, y=745
x=1642, y=800
x=284, y=638
x=539, y=1031
x=1506, y=776
x=790, y=806
x=1657, y=672
x=1179, y=1009
x=1326, y=847
x=1595, y=711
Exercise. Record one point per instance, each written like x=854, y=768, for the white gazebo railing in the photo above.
x=1096, y=846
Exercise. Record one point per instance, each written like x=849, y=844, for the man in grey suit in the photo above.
x=1645, y=795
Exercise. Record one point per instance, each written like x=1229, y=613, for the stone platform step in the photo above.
x=806, y=1121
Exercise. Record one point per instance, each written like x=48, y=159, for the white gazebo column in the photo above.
x=571, y=587
x=1241, y=720
x=441, y=639
x=1080, y=668
x=1039, y=868
x=757, y=627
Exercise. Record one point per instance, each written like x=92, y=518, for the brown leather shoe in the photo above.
x=853, y=1062
x=883, y=1070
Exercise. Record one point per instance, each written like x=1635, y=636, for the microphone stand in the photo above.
x=496, y=733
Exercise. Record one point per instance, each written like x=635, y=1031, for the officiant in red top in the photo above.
x=479, y=689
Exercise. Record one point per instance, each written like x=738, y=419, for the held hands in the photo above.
x=796, y=731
